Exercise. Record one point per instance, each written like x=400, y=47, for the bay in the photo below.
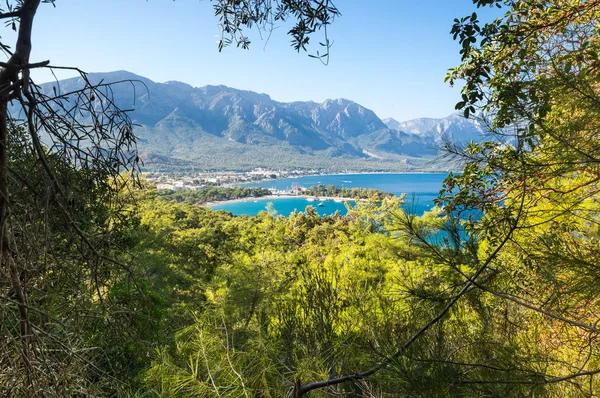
x=421, y=190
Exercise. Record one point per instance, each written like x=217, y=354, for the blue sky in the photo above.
x=388, y=55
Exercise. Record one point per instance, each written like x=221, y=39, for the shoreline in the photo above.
x=232, y=184
x=267, y=197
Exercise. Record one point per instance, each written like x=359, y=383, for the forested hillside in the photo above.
x=251, y=306
x=109, y=287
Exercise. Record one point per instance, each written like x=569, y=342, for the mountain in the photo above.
x=454, y=127
x=219, y=127
x=391, y=123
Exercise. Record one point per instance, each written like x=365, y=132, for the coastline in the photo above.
x=233, y=184
x=267, y=197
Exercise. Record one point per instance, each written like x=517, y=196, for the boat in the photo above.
x=320, y=204
x=338, y=200
x=310, y=199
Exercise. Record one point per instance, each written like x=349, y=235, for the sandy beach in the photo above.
x=314, y=198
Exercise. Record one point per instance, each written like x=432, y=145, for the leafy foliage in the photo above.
x=532, y=74
x=309, y=16
x=213, y=194
x=343, y=192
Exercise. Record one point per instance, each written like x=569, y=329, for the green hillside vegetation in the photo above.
x=344, y=192
x=249, y=306
x=213, y=156
x=212, y=194
x=219, y=194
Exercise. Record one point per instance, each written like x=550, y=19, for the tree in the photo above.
x=65, y=162
x=523, y=214
x=58, y=212
x=533, y=76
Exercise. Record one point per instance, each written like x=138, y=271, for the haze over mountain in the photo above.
x=219, y=127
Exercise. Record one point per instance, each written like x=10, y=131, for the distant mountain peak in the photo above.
x=336, y=102
x=455, y=127
x=120, y=75
x=391, y=123
x=177, y=83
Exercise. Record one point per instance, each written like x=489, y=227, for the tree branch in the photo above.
x=25, y=66
x=357, y=376
x=14, y=14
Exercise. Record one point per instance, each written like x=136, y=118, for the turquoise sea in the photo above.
x=421, y=190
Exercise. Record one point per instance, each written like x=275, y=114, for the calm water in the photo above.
x=420, y=188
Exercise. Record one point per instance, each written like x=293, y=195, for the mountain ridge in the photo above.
x=205, y=126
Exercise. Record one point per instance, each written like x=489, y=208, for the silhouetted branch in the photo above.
x=25, y=66
x=13, y=14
